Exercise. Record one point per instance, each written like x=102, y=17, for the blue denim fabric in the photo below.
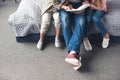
x=95, y=16
x=73, y=37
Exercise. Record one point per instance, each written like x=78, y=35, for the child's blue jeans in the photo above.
x=95, y=17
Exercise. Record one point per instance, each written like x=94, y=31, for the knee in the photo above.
x=45, y=22
x=82, y=22
x=65, y=21
x=95, y=19
x=65, y=18
x=57, y=25
x=64, y=15
x=44, y=27
x=57, y=22
x=88, y=19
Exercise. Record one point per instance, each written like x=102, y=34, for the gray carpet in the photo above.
x=23, y=61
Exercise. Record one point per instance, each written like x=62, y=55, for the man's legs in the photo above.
x=66, y=26
x=77, y=36
x=67, y=32
x=75, y=42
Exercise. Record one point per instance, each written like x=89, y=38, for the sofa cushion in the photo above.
x=112, y=18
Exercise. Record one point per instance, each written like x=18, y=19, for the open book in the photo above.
x=83, y=7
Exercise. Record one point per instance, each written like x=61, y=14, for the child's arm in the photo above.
x=61, y=3
x=93, y=6
x=104, y=5
x=66, y=5
x=85, y=2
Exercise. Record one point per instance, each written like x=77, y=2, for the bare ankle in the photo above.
x=107, y=36
x=85, y=38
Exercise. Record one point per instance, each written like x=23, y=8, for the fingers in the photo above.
x=67, y=7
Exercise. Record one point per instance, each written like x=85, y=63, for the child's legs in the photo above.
x=89, y=14
x=97, y=19
x=46, y=19
x=57, y=24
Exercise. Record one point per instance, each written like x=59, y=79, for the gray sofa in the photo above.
x=26, y=21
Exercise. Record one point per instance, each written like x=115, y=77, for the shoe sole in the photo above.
x=77, y=67
x=88, y=49
x=57, y=45
x=39, y=47
x=73, y=61
x=105, y=46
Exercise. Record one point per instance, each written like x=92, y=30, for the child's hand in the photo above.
x=92, y=6
x=85, y=2
x=67, y=7
x=104, y=8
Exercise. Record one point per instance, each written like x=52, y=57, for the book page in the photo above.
x=83, y=7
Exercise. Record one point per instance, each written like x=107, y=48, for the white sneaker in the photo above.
x=77, y=66
x=40, y=45
x=87, y=45
x=58, y=43
x=105, y=43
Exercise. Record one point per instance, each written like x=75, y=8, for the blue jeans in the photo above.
x=95, y=16
x=73, y=37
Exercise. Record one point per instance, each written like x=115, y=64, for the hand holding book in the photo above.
x=81, y=8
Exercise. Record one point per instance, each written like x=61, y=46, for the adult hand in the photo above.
x=78, y=12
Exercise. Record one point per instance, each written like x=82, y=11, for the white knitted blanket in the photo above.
x=27, y=18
